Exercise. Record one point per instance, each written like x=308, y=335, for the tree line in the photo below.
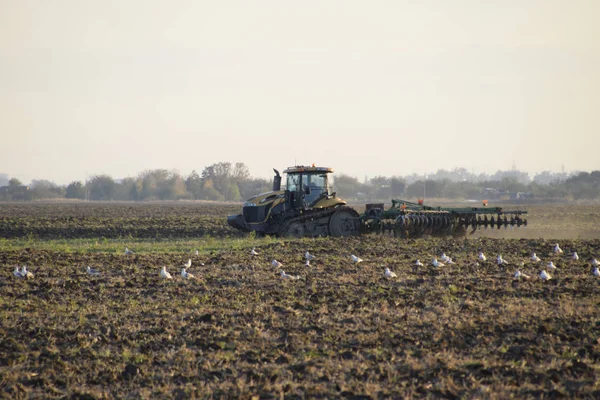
x=225, y=181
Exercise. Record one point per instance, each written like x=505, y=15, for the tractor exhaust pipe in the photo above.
x=276, y=181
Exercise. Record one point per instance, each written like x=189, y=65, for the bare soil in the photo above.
x=467, y=330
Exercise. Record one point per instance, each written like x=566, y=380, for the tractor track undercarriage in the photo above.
x=313, y=223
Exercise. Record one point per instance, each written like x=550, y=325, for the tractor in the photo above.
x=308, y=207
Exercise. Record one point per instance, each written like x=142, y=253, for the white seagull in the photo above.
x=390, y=274
x=557, y=249
x=551, y=266
x=545, y=276
x=164, y=274
x=519, y=274
x=418, y=263
x=196, y=252
x=127, y=251
x=482, y=256
x=186, y=275
x=355, y=259
x=596, y=271
x=436, y=263
x=288, y=276
x=308, y=256
x=575, y=257
x=500, y=260
x=17, y=273
x=535, y=258
x=595, y=262
x=276, y=263
x=444, y=257
x=92, y=271
x=253, y=252
x=307, y=263
x=25, y=273
x=188, y=263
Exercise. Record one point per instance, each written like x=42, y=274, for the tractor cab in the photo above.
x=305, y=186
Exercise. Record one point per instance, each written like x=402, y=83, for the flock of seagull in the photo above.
x=444, y=260
x=544, y=275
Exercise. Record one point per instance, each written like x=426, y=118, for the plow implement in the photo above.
x=407, y=219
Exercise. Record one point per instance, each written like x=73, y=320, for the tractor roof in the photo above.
x=303, y=168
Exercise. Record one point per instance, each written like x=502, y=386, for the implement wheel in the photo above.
x=343, y=223
x=295, y=229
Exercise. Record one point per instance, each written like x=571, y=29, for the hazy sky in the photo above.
x=366, y=87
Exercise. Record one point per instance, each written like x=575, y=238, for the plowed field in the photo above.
x=343, y=330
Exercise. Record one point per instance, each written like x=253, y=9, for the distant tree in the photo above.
x=126, y=190
x=219, y=174
x=240, y=172
x=346, y=186
x=512, y=184
x=548, y=177
x=102, y=187
x=161, y=184
x=45, y=189
x=584, y=185
x=398, y=186
x=75, y=190
x=14, y=182
x=252, y=187
x=193, y=185
x=233, y=192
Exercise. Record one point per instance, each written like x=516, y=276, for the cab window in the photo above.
x=293, y=181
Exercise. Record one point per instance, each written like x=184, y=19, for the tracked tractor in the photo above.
x=307, y=207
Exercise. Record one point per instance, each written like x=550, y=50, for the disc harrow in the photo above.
x=406, y=219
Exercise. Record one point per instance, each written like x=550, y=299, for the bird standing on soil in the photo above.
x=253, y=252
x=164, y=274
x=26, y=274
x=482, y=256
x=186, y=275
x=276, y=263
x=500, y=260
x=17, y=273
x=188, y=263
x=92, y=271
x=535, y=258
x=307, y=263
x=436, y=263
x=575, y=257
x=596, y=271
x=545, y=276
x=127, y=251
x=196, y=253
x=595, y=262
x=288, y=276
x=355, y=259
x=418, y=263
x=444, y=257
x=557, y=249
x=308, y=256
x=551, y=266
x=389, y=274
x=519, y=274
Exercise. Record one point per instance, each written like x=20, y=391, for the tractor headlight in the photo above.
x=248, y=204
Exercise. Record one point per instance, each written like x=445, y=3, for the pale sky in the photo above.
x=366, y=87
